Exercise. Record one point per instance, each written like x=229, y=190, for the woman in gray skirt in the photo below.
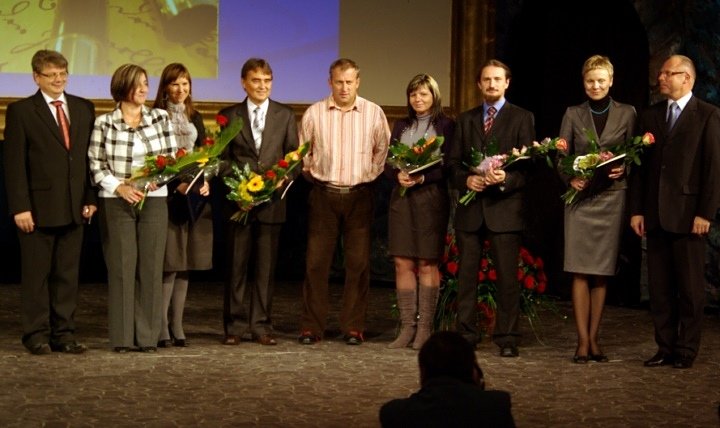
x=418, y=219
x=593, y=225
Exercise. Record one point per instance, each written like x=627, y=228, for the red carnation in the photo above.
x=529, y=282
x=160, y=161
x=452, y=268
x=492, y=275
x=539, y=263
x=270, y=174
x=208, y=141
x=454, y=249
x=484, y=264
x=481, y=276
x=520, y=274
x=282, y=163
x=180, y=153
x=221, y=120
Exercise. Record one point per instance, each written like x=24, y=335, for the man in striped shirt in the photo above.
x=350, y=137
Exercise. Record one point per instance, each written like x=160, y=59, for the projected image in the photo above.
x=213, y=38
x=98, y=36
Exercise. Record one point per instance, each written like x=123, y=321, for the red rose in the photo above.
x=454, y=250
x=529, y=282
x=520, y=274
x=486, y=245
x=452, y=268
x=541, y=287
x=208, y=141
x=648, y=139
x=160, y=162
x=270, y=174
x=180, y=153
x=221, y=120
x=486, y=310
x=561, y=144
x=448, y=239
x=539, y=263
x=492, y=275
x=481, y=276
x=282, y=163
x=484, y=264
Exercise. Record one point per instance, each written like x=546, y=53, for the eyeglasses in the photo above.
x=667, y=74
x=63, y=75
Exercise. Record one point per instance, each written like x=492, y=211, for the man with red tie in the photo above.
x=49, y=197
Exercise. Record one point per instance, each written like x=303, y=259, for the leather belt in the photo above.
x=341, y=190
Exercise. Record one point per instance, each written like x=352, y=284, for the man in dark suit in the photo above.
x=269, y=133
x=673, y=197
x=496, y=213
x=452, y=392
x=45, y=162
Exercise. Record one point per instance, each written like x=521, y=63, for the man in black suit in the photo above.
x=452, y=392
x=496, y=213
x=270, y=131
x=673, y=197
x=45, y=160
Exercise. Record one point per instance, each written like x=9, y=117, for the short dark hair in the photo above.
x=344, y=64
x=254, y=64
x=494, y=63
x=124, y=81
x=44, y=57
x=171, y=73
x=448, y=354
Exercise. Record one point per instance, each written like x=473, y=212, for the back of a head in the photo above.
x=448, y=354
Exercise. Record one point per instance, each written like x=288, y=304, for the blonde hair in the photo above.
x=598, y=62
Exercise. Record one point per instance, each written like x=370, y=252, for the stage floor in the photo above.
x=334, y=385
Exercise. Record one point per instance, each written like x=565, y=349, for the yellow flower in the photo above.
x=255, y=184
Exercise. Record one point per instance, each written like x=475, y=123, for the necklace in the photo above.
x=602, y=111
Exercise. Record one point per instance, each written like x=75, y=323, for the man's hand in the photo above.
x=88, y=211
x=24, y=221
x=637, y=222
x=494, y=176
x=476, y=183
x=700, y=226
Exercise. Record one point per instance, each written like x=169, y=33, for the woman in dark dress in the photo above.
x=418, y=220
x=593, y=225
x=189, y=236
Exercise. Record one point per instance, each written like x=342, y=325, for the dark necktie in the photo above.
x=62, y=121
x=673, y=114
x=489, y=119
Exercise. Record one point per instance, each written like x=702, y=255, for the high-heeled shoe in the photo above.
x=580, y=359
x=598, y=358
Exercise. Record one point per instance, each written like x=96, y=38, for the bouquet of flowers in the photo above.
x=585, y=166
x=531, y=279
x=411, y=159
x=161, y=169
x=548, y=146
x=250, y=189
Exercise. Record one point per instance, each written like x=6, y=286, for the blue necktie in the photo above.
x=673, y=114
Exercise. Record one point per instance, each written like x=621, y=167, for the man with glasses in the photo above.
x=45, y=164
x=673, y=197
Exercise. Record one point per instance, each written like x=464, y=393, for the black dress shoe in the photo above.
x=164, y=343
x=682, y=362
x=180, y=342
x=121, y=349
x=659, y=359
x=40, y=349
x=68, y=347
x=508, y=351
x=148, y=349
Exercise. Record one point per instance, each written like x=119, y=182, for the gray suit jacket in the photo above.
x=279, y=137
x=500, y=207
x=619, y=127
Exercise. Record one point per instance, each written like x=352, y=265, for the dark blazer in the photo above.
x=500, y=207
x=279, y=137
x=680, y=175
x=41, y=175
x=448, y=402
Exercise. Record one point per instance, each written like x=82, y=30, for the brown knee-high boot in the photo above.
x=407, y=304
x=426, y=306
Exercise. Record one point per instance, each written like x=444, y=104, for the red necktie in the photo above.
x=489, y=119
x=62, y=121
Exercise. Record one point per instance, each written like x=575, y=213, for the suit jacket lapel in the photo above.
x=246, y=132
x=479, y=126
x=47, y=117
